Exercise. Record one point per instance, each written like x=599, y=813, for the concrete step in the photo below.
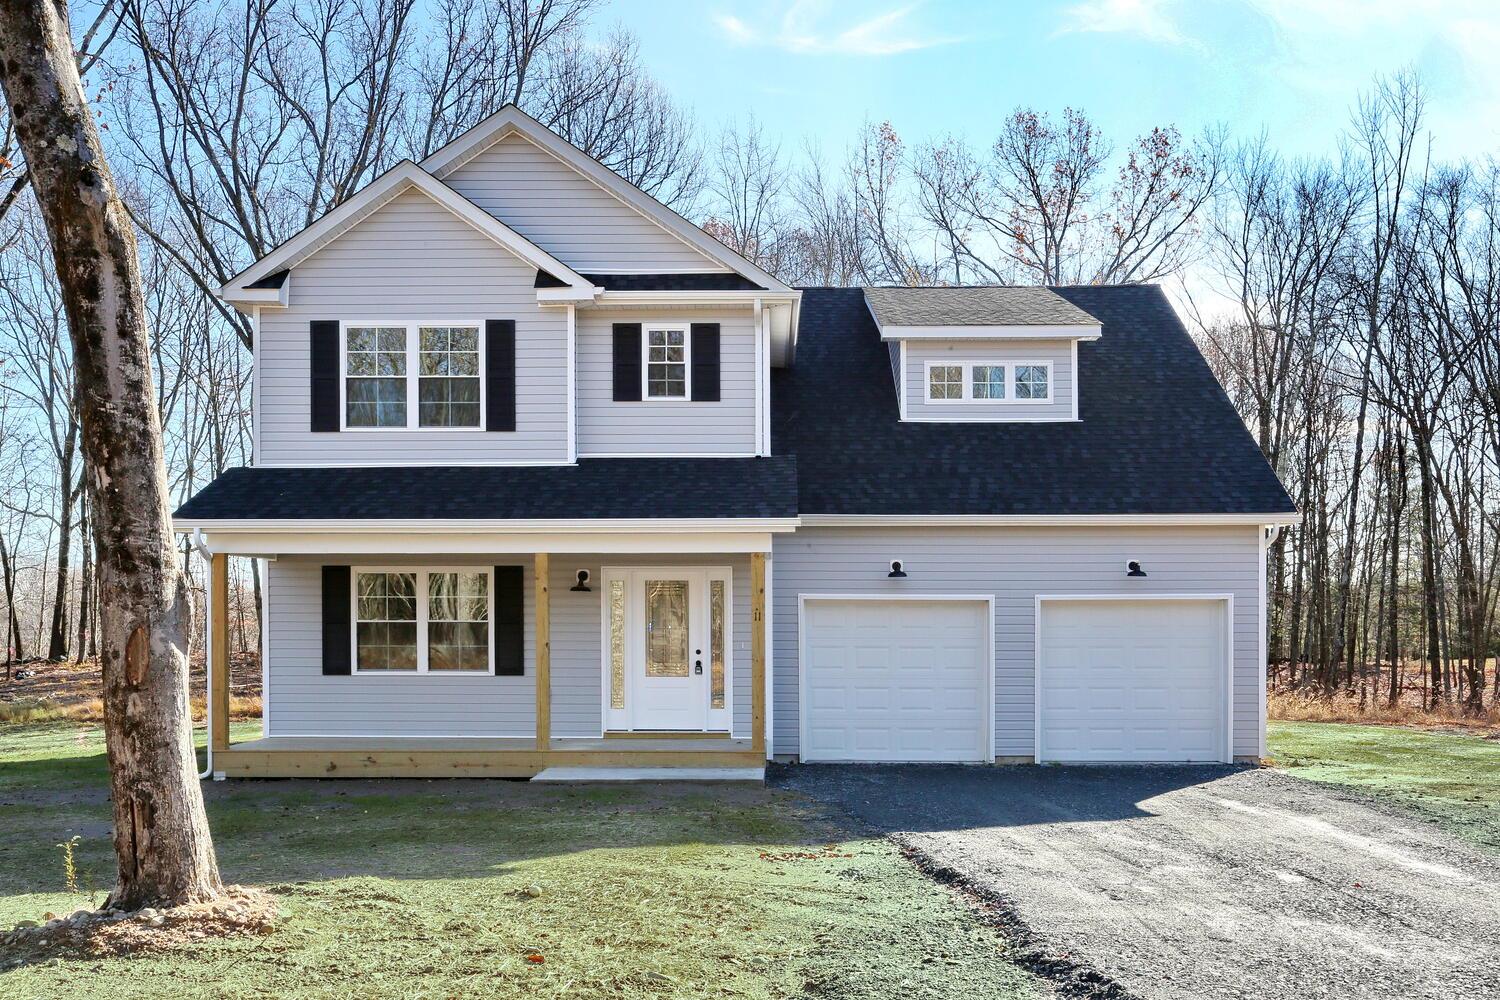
x=756, y=774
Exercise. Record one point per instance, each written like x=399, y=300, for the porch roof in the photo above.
x=595, y=489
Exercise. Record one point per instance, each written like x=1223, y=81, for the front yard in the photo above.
x=1452, y=779
x=494, y=888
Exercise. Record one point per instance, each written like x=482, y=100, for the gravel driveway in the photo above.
x=1196, y=882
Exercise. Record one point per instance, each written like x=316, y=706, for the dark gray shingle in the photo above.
x=975, y=306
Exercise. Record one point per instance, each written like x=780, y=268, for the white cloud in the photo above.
x=804, y=28
x=1146, y=18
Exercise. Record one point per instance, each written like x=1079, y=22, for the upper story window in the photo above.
x=666, y=364
x=983, y=382
x=412, y=375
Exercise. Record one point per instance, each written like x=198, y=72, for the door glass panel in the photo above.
x=716, y=641
x=666, y=628
x=617, y=644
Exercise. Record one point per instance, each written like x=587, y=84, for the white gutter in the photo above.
x=208, y=652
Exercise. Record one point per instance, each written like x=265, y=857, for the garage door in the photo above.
x=896, y=680
x=1132, y=681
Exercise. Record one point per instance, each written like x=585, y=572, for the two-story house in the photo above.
x=548, y=482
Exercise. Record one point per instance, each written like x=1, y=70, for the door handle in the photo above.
x=697, y=666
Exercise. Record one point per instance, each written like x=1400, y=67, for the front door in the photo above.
x=665, y=640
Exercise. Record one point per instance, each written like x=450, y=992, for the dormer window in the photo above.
x=666, y=365
x=982, y=382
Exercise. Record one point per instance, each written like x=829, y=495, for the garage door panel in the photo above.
x=914, y=677
x=1131, y=680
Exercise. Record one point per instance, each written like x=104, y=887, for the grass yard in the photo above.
x=419, y=889
x=1451, y=779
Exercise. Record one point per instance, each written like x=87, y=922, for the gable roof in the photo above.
x=1157, y=436
x=511, y=119
x=404, y=176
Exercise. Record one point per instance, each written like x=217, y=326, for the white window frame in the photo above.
x=687, y=361
x=968, y=381
x=421, y=573
x=413, y=374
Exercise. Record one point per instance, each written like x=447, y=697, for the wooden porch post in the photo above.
x=758, y=652
x=540, y=569
x=217, y=666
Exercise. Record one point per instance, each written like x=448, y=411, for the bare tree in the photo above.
x=162, y=843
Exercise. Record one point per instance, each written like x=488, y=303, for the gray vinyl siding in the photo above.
x=666, y=427
x=1015, y=565
x=412, y=260
x=567, y=214
x=920, y=352
x=577, y=636
x=303, y=702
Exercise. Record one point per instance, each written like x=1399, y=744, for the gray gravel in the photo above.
x=1197, y=882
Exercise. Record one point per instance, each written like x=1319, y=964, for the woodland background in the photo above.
x=1349, y=304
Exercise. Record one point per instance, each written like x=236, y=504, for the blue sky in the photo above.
x=1292, y=67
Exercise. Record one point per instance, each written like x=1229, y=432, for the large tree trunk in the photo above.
x=162, y=844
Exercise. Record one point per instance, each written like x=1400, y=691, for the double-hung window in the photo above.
x=412, y=375
x=987, y=382
x=423, y=621
x=666, y=367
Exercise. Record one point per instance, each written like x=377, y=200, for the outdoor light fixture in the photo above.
x=1133, y=568
x=896, y=573
x=582, y=586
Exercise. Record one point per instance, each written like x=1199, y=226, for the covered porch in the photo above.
x=558, y=718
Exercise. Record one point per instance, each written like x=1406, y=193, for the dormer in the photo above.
x=982, y=355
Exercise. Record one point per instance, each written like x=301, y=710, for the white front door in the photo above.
x=665, y=639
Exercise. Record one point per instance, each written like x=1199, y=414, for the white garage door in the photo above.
x=1132, y=681
x=896, y=680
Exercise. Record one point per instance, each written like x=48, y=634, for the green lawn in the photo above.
x=414, y=889
x=1453, y=780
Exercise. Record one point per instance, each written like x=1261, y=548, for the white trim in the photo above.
x=999, y=331
x=745, y=297
x=413, y=376
x=558, y=463
x=667, y=327
x=511, y=119
x=1227, y=599
x=966, y=378
x=421, y=597
x=760, y=323
x=255, y=385
x=901, y=383
x=989, y=418
x=668, y=454
x=263, y=567
x=572, y=384
x=1263, y=624
x=381, y=544
x=1076, y=380
x=404, y=176
x=1045, y=520
x=988, y=600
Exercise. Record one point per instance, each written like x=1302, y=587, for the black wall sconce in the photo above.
x=1133, y=568
x=582, y=586
x=896, y=573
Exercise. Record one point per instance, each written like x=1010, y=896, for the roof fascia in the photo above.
x=405, y=176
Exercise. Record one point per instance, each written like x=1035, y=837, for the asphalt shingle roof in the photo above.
x=1157, y=435
x=594, y=488
x=975, y=306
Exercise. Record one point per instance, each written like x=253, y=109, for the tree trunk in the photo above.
x=85, y=586
x=162, y=844
x=57, y=640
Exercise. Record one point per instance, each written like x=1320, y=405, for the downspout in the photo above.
x=208, y=710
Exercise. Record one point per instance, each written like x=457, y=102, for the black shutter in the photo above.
x=705, y=362
x=336, y=637
x=627, y=362
x=324, y=356
x=499, y=374
x=510, y=621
